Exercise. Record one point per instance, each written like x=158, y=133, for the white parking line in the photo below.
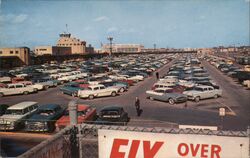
x=231, y=111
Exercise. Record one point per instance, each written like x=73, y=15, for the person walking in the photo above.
x=137, y=106
x=157, y=75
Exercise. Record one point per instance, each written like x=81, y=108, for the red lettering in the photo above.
x=150, y=153
x=134, y=148
x=204, y=150
x=215, y=151
x=194, y=151
x=115, y=148
x=186, y=149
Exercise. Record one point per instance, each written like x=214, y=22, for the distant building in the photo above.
x=52, y=50
x=90, y=49
x=123, y=48
x=14, y=57
x=77, y=46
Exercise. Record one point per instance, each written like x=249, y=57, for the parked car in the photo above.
x=15, y=115
x=113, y=115
x=44, y=118
x=85, y=114
x=13, y=89
x=97, y=91
x=203, y=92
x=167, y=95
x=120, y=85
x=3, y=108
x=71, y=89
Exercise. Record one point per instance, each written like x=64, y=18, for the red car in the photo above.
x=130, y=82
x=85, y=113
x=82, y=83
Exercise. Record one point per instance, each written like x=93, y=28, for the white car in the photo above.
x=203, y=92
x=13, y=89
x=16, y=114
x=97, y=91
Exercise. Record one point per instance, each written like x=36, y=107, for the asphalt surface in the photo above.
x=235, y=99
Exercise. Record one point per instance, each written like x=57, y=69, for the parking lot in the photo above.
x=235, y=100
x=156, y=113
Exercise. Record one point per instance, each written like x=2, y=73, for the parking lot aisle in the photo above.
x=234, y=95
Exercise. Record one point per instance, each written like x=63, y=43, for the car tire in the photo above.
x=91, y=97
x=113, y=94
x=171, y=101
x=1, y=94
x=35, y=90
x=122, y=90
x=25, y=92
x=216, y=96
x=197, y=99
x=46, y=87
x=151, y=98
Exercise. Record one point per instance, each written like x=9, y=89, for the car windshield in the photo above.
x=113, y=112
x=15, y=112
x=45, y=112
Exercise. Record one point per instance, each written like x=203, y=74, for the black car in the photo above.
x=113, y=115
x=3, y=108
x=43, y=120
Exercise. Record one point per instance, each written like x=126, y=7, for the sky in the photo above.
x=166, y=23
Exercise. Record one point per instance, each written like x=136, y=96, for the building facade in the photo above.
x=122, y=48
x=77, y=46
x=52, y=50
x=13, y=57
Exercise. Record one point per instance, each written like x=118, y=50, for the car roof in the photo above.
x=22, y=105
x=203, y=86
x=113, y=107
x=48, y=106
x=98, y=85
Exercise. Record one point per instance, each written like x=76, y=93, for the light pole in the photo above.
x=110, y=44
x=154, y=47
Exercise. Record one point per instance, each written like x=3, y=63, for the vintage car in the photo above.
x=71, y=89
x=44, y=118
x=113, y=115
x=15, y=115
x=85, y=114
x=115, y=84
x=97, y=91
x=167, y=95
x=203, y=92
x=13, y=89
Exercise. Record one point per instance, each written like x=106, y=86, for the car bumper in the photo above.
x=6, y=127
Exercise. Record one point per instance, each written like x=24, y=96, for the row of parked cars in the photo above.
x=185, y=80
x=119, y=75
x=32, y=117
x=87, y=79
x=237, y=73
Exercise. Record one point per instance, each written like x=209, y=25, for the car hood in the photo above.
x=10, y=117
x=37, y=117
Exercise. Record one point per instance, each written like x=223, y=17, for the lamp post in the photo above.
x=110, y=44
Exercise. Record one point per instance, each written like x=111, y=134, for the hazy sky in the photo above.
x=167, y=23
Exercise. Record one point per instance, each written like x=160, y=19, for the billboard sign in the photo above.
x=128, y=144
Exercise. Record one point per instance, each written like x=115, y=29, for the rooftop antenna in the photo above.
x=67, y=28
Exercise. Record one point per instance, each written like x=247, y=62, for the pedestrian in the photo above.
x=157, y=75
x=137, y=106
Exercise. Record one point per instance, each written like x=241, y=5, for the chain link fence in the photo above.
x=82, y=140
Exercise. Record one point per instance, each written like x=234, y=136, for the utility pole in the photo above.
x=110, y=44
x=154, y=47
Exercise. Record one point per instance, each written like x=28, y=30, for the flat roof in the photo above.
x=21, y=105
